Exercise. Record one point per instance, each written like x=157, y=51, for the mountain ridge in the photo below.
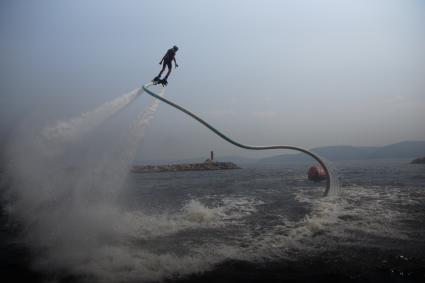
x=405, y=149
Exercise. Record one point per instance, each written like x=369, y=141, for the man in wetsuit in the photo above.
x=166, y=62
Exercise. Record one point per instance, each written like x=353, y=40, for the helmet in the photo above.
x=175, y=47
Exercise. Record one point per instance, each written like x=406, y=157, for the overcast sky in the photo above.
x=305, y=72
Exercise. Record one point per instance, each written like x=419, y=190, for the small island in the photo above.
x=420, y=160
x=208, y=164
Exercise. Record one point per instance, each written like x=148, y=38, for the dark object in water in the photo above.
x=316, y=173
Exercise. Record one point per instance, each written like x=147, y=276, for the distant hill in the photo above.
x=406, y=149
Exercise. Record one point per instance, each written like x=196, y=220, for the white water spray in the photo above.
x=73, y=129
x=68, y=208
x=128, y=149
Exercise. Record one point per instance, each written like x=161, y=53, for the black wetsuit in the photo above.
x=167, y=61
x=169, y=57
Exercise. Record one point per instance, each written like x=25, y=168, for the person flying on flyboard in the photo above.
x=166, y=61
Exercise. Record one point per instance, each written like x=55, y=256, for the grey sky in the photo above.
x=305, y=72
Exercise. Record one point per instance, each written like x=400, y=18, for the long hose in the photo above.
x=315, y=156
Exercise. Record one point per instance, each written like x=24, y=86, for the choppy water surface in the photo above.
x=263, y=223
x=198, y=221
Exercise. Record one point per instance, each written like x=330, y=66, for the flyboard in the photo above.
x=251, y=147
x=157, y=80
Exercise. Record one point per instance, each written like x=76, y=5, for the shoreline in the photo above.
x=208, y=165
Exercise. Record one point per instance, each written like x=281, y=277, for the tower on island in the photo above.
x=211, y=159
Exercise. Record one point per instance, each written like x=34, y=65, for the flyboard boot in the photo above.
x=157, y=80
x=163, y=82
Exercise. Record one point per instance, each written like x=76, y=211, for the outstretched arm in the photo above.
x=175, y=62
